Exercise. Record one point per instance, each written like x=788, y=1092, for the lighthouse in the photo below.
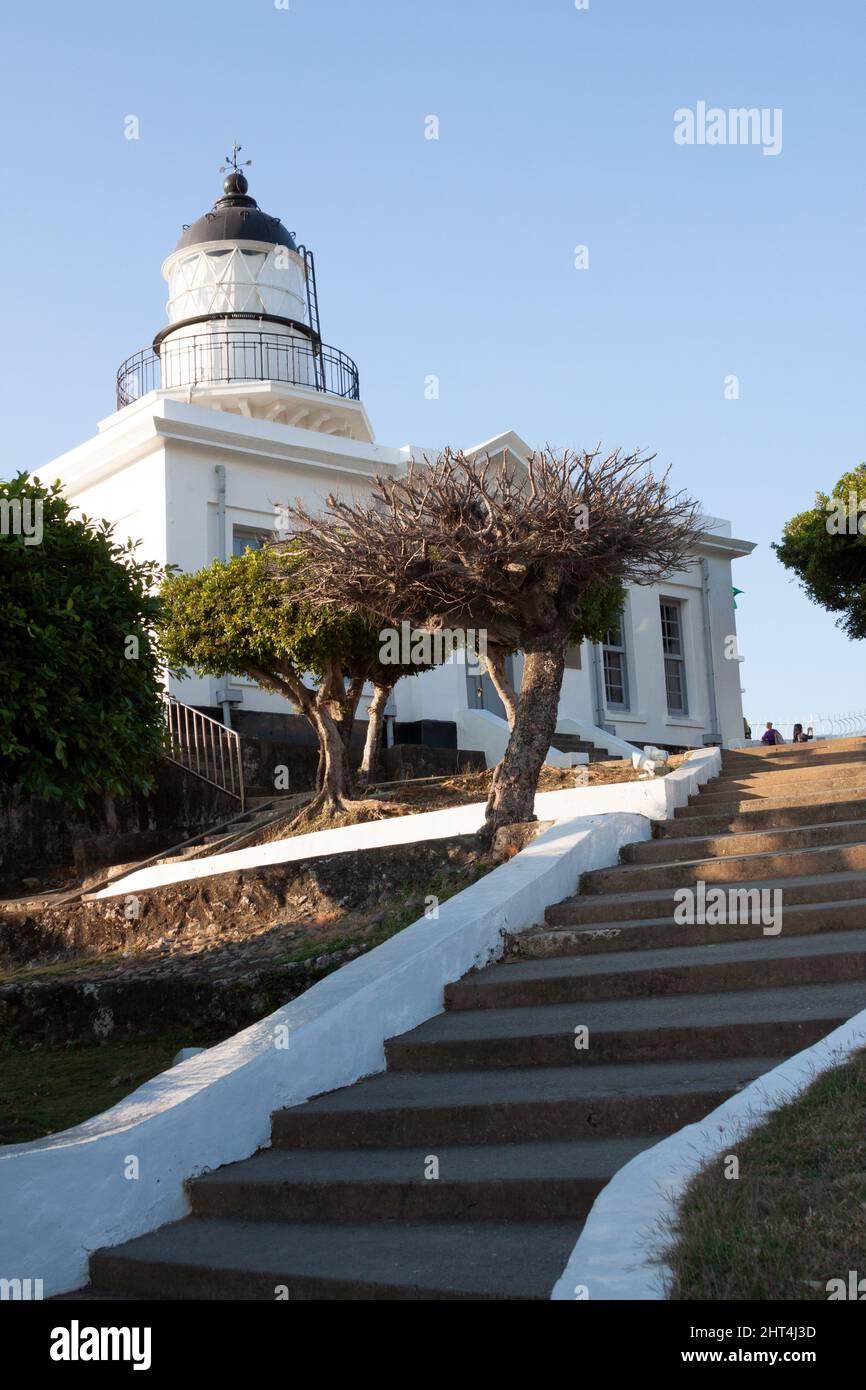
x=237, y=406
x=242, y=310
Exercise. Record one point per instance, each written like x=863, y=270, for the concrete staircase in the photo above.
x=527, y=1128
x=571, y=743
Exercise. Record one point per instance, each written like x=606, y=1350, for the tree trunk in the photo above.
x=327, y=709
x=512, y=794
x=334, y=791
x=495, y=661
x=375, y=725
x=330, y=708
x=110, y=812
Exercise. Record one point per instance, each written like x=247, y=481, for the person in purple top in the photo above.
x=771, y=735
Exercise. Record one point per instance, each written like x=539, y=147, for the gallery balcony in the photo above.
x=226, y=357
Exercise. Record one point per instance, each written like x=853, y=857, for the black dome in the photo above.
x=236, y=217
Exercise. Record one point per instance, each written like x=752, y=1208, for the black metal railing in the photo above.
x=213, y=359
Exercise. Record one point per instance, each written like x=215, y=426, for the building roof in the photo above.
x=236, y=217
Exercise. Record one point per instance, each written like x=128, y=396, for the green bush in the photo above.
x=79, y=667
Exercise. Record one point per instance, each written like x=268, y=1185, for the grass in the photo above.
x=61, y=967
x=795, y=1217
x=44, y=1090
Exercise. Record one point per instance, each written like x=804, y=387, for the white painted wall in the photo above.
x=151, y=471
x=134, y=498
x=488, y=733
x=647, y=719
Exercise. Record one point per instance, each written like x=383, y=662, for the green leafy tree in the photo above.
x=80, y=704
x=825, y=547
x=245, y=616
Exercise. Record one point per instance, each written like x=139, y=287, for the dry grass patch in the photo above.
x=795, y=1217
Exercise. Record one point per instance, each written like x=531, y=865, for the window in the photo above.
x=615, y=668
x=249, y=538
x=675, y=663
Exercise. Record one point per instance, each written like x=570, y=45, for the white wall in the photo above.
x=647, y=719
x=255, y=486
x=134, y=499
x=151, y=470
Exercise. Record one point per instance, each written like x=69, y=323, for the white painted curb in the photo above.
x=122, y=1173
x=655, y=799
x=620, y=1252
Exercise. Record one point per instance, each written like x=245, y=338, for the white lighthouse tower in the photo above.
x=243, y=309
x=237, y=406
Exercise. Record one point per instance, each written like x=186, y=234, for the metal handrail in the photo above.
x=205, y=747
x=218, y=358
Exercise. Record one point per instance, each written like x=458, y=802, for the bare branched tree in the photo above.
x=466, y=543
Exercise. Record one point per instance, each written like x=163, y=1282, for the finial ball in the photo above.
x=235, y=183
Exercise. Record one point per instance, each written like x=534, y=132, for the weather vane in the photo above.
x=232, y=159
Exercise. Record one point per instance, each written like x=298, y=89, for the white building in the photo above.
x=238, y=407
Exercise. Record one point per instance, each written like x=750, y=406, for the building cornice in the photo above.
x=728, y=547
x=145, y=427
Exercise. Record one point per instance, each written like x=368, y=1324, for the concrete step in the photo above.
x=749, y=805
x=212, y=1258
x=798, y=780
x=797, y=752
x=779, y=818
x=748, y=1022
x=798, y=889
x=761, y=841
x=717, y=800
x=653, y=932
x=573, y=743
x=790, y=767
x=513, y=1104
x=731, y=870
x=526, y=1127
x=793, y=755
x=480, y=1182
x=765, y=962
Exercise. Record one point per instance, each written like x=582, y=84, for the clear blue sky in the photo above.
x=455, y=256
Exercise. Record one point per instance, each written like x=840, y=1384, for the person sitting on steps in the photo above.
x=771, y=735
x=799, y=736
